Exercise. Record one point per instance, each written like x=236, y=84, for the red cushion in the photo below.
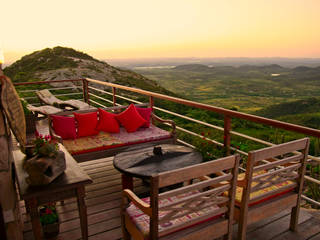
x=145, y=113
x=65, y=127
x=87, y=123
x=130, y=119
x=107, y=122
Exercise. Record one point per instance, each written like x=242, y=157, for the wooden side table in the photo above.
x=70, y=184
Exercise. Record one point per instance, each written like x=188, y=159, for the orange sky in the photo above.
x=166, y=28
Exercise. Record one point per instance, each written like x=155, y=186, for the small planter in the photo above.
x=51, y=230
x=49, y=221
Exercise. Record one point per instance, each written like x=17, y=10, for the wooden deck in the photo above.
x=103, y=201
x=103, y=207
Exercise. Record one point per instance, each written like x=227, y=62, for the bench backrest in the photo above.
x=281, y=165
x=208, y=192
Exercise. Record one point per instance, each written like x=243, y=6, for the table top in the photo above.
x=142, y=162
x=72, y=177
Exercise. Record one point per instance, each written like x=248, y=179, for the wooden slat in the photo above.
x=202, y=169
x=276, y=172
x=280, y=149
x=278, y=162
x=195, y=186
x=196, y=196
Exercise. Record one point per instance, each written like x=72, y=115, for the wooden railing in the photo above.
x=91, y=93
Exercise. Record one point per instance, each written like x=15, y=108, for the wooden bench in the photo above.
x=160, y=136
x=192, y=212
x=272, y=183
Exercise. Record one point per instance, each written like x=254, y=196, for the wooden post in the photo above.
x=227, y=136
x=151, y=104
x=3, y=234
x=114, y=98
x=85, y=90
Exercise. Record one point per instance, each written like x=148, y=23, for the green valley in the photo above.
x=246, y=88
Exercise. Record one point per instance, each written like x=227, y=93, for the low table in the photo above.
x=69, y=184
x=143, y=162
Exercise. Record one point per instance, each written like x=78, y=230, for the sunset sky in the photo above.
x=163, y=28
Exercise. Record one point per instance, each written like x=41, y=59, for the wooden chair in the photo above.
x=272, y=182
x=195, y=211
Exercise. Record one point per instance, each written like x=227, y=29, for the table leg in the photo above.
x=35, y=218
x=127, y=182
x=82, y=212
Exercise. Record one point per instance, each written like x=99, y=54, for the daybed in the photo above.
x=106, y=144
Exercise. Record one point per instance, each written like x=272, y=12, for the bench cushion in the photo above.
x=87, y=123
x=142, y=220
x=130, y=119
x=107, y=122
x=261, y=191
x=64, y=126
x=106, y=140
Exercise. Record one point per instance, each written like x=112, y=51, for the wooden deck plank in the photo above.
x=315, y=237
x=275, y=228
x=103, y=208
x=306, y=230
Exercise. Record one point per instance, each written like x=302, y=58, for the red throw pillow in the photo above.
x=65, y=127
x=87, y=123
x=130, y=119
x=145, y=113
x=107, y=122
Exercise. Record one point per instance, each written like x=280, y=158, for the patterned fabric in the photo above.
x=111, y=140
x=261, y=191
x=142, y=134
x=142, y=220
x=91, y=143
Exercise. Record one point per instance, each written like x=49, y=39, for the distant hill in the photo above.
x=66, y=63
x=246, y=88
x=302, y=112
x=305, y=106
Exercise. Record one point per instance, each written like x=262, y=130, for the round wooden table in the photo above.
x=143, y=162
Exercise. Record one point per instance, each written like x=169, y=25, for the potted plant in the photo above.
x=49, y=220
x=44, y=161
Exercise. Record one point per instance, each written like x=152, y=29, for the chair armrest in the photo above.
x=144, y=207
x=52, y=133
x=172, y=123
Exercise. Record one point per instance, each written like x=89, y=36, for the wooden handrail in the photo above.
x=230, y=113
x=47, y=82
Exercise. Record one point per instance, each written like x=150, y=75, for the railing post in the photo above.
x=227, y=136
x=85, y=90
x=151, y=104
x=114, y=99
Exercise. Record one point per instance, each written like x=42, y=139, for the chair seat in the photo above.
x=142, y=220
x=274, y=187
x=105, y=140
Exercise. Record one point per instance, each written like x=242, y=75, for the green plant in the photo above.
x=48, y=214
x=24, y=106
x=44, y=146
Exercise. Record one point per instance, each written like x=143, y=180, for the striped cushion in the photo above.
x=261, y=191
x=142, y=220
